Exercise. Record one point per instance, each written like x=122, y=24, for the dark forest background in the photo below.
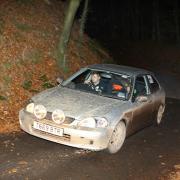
x=134, y=20
x=142, y=33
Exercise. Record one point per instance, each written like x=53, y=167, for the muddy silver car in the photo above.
x=84, y=113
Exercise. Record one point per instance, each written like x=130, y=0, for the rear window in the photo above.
x=153, y=84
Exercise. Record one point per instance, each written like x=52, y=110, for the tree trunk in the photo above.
x=83, y=21
x=176, y=19
x=157, y=22
x=69, y=19
x=135, y=19
x=156, y=35
x=141, y=23
x=153, y=22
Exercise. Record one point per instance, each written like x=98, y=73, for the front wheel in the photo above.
x=160, y=114
x=117, y=138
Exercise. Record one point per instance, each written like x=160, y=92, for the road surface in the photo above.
x=149, y=154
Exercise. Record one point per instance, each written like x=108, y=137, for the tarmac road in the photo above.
x=149, y=154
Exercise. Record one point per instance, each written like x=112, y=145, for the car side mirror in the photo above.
x=141, y=99
x=59, y=80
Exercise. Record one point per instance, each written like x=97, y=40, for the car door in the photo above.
x=142, y=111
x=155, y=92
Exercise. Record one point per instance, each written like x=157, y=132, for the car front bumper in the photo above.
x=87, y=138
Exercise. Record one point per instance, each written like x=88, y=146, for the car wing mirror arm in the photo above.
x=141, y=99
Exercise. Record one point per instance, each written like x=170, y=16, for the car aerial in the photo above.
x=97, y=117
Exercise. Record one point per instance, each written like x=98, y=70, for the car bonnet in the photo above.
x=76, y=103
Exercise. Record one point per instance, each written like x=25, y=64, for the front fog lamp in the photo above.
x=40, y=111
x=88, y=122
x=101, y=122
x=58, y=116
x=30, y=108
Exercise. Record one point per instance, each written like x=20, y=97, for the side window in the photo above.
x=140, y=87
x=153, y=84
x=80, y=78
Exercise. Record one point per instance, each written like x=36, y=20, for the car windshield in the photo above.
x=117, y=86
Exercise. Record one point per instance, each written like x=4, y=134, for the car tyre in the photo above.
x=160, y=114
x=117, y=138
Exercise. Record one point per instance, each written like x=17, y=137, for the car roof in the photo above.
x=128, y=70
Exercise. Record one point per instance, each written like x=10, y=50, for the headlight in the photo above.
x=40, y=111
x=94, y=122
x=88, y=122
x=101, y=122
x=30, y=108
x=58, y=116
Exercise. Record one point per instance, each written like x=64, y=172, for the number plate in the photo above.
x=48, y=128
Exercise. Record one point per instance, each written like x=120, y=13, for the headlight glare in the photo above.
x=88, y=122
x=58, y=116
x=30, y=108
x=40, y=111
x=101, y=122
